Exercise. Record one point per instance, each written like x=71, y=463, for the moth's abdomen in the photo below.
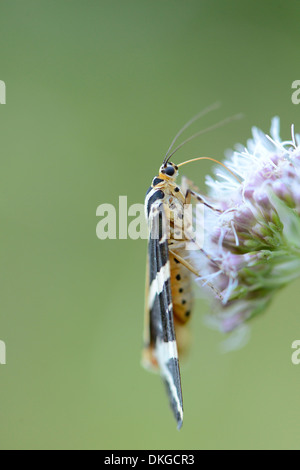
x=183, y=300
x=181, y=287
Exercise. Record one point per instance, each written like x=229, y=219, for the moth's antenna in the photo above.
x=211, y=128
x=190, y=122
x=212, y=160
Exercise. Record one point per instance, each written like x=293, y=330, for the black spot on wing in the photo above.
x=158, y=252
x=176, y=402
x=173, y=367
x=161, y=317
x=165, y=298
x=153, y=264
x=161, y=314
x=158, y=194
x=158, y=223
x=156, y=181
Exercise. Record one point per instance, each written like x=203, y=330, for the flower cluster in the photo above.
x=252, y=233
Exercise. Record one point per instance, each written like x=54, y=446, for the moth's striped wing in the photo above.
x=161, y=348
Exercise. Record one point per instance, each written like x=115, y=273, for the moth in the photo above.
x=169, y=296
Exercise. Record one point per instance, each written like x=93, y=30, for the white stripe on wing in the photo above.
x=158, y=283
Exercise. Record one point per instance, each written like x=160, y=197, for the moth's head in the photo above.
x=168, y=171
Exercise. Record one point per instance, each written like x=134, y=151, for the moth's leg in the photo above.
x=184, y=262
x=188, y=224
x=189, y=236
x=187, y=184
x=192, y=269
x=197, y=197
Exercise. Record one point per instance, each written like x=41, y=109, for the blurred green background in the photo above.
x=96, y=90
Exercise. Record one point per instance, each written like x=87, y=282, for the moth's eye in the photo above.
x=169, y=171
